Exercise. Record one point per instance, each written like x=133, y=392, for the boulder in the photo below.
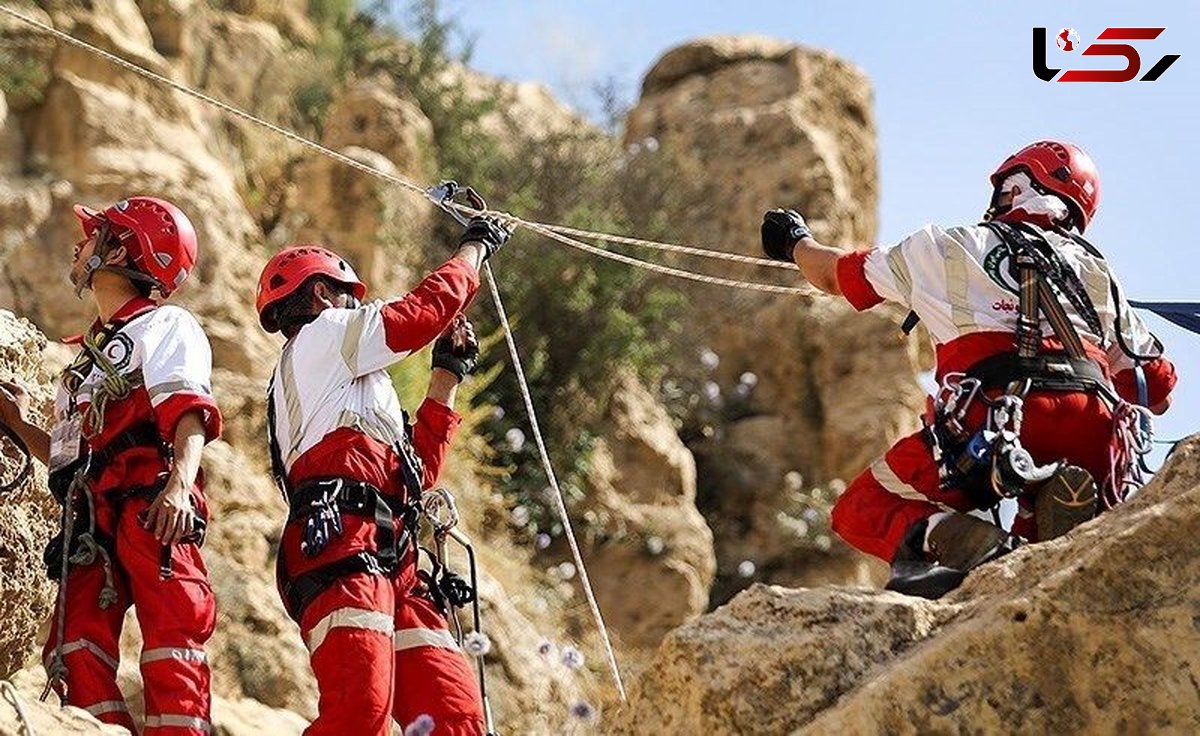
x=171, y=25
x=1094, y=632
x=290, y=16
x=37, y=717
x=370, y=116
x=12, y=147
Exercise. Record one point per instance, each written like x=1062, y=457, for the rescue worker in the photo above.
x=132, y=415
x=352, y=469
x=1038, y=356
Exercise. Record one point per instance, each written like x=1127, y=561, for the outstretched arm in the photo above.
x=786, y=237
x=415, y=319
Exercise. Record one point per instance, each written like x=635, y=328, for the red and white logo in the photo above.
x=1067, y=39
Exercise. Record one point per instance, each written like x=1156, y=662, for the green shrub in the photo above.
x=22, y=78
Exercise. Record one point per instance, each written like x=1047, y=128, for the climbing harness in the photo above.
x=320, y=504
x=449, y=591
x=990, y=463
x=13, y=698
x=443, y=195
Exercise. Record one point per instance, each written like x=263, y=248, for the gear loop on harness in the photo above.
x=448, y=590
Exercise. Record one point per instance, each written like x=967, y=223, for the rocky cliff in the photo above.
x=1095, y=632
x=670, y=514
x=802, y=393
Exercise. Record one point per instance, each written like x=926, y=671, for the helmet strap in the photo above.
x=96, y=260
x=104, y=245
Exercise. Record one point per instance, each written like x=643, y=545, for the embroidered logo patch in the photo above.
x=999, y=268
x=119, y=351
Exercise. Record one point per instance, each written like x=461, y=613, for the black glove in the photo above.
x=461, y=360
x=781, y=230
x=488, y=231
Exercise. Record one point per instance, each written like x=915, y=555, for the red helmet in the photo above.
x=291, y=267
x=1061, y=168
x=160, y=239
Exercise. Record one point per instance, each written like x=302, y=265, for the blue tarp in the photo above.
x=1183, y=314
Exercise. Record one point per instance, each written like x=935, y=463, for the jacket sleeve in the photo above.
x=1160, y=381
x=376, y=335
x=875, y=275
x=433, y=431
x=177, y=371
x=1126, y=330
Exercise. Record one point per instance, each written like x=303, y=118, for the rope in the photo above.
x=559, y=233
x=14, y=699
x=559, y=500
x=670, y=247
x=547, y=231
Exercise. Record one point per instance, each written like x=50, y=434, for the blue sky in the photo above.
x=954, y=94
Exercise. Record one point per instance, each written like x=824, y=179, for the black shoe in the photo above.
x=958, y=544
x=1064, y=502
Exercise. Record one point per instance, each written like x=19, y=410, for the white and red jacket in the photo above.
x=958, y=281
x=336, y=410
x=165, y=356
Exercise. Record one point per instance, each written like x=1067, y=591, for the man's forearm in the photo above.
x=188, y=446
x=472, y=253
x=443, y=387
x=818, y=263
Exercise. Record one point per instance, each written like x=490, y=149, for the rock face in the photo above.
x=770, y=124
x=1092, y=633
x=652, y=563
x=27, y=514
x=46, y=717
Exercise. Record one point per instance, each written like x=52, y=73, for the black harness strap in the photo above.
x=300, y=590
x=278, y=470
x=26, y=468
x=143, y=434
x=1044, y=276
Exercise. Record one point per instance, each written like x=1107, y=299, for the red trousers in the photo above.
x=176, y=616
x=902, y=487
x=380, y=653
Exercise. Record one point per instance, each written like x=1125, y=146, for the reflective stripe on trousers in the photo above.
x=348, y=618
x=88, y=646
x=413, y=638
x=173, y=721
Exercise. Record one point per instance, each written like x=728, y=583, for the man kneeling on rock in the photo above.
x=1045, y=373
x=132, y=415
x=353, y=469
